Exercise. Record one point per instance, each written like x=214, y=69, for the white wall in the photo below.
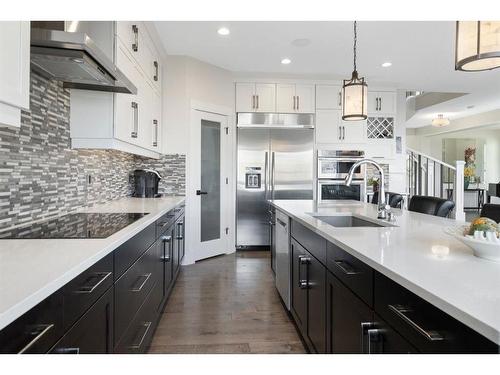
x=186, y=80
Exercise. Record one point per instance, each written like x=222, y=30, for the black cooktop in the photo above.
x=77, y=225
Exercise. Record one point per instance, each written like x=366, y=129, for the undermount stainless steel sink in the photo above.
x=343, y=221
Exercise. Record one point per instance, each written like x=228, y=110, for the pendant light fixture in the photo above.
x=354, y=92
x=477, y=45
x=440, y=121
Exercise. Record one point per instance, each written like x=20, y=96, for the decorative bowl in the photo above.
x=481, y=248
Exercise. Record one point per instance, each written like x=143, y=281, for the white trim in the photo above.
x=112, y=144
x=10, y=116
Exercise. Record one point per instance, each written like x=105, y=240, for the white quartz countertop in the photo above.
x=33, y=269
x=418, y=255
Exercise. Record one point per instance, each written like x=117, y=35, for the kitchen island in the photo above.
x=411, y=257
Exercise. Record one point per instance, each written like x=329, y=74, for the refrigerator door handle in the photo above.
x=272, y=175
x=265, y=175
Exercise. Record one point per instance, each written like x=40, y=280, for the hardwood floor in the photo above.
x=227, y=304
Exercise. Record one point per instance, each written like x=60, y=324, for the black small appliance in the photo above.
x=146, y=183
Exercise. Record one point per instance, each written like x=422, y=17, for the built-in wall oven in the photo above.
x=333, y=168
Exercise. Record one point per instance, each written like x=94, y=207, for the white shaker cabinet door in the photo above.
x=328, y=97
x=266, y=97
x=328, y=126
x=14, y=70
x=305, y=98
x=285, y=98
x=245, y=97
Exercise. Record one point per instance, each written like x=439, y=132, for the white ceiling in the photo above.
x=422, y=54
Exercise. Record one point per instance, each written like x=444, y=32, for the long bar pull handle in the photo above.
x=155, y=132
x=340, y=98
x=257, y=105
x=298, y=102
x=346, y=267
x=373, y=337
x=135, y=108
x=155, y=64
x=39, y=331
x=281, y=222
x=266, y=157
x=401, y=311
x=379, y=104
x=87, y=289
x=272, y=175
x=303, y=260
x=253, y=101
x=147, y=326
x=135, y=45
x=146, y=278
x=294, y=103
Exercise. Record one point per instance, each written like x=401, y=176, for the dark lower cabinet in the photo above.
x=93, y=332
x=308, y=297
x=346, y=316
x=316, y=304
x=298, y=304
x=380, y=338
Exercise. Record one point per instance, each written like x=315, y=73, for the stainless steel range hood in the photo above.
x=74, y=59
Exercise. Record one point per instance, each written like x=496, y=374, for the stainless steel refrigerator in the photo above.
x=275, y=161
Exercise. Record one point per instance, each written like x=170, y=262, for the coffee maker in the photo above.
x=146, y=183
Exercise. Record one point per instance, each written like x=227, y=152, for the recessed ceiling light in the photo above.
x=386, y=64
x=286, y=61
x=301, y=42
x=223, y=31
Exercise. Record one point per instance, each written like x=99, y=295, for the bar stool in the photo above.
x=431, y=205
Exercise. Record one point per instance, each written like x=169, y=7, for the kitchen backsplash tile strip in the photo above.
x=41, y=176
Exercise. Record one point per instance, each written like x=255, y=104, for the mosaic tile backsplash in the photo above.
x=41, y=176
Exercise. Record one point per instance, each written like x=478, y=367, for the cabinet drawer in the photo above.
x=312, y=242
x=133, y=287
x=164, y=222
x=425, y=326
x=140, y=332
x=81, y=292
x=37, y=330
x=356, y=275
x=93, y=333
x=380, y=338
x=131, y=250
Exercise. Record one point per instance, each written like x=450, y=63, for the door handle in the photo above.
x=340, y=98
x=272, y=175
x=294, y=103
x=100, y=277
x=257, y=102
x=281, y=222
x=298, y=102
x=135, y=109
x=39, y=331
x=199, y=192
x=146, y=278
x=302, y=260
x=365, y=326
x=346, y=267
x=266, y=157
x=253, y=101
x=155, y=77
x=146, y=326
x=373, y=337
x=155, y=132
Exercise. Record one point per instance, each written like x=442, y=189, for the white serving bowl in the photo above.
x=481, y=248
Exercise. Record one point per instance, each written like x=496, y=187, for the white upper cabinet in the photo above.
x=328, y=97
x=381, y=102
x=332, y=130
x=295, y=98
x=255, y=97
x=127, y=122
x=14, y=71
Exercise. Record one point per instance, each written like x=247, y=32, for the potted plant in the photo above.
x=373, y=182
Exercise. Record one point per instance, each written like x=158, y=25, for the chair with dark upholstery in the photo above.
x=491, y=211
x=394, y=200
x=431, y=205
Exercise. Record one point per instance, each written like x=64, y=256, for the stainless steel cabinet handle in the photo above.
x=340, y=98
x=155, y=132
x=253, y=101
x=373, y=337
x=298, y=102
x=166, y=238
x=343, y=133
x=146, y=278
x=146, y=325
x=179, y=238
x=135, y=108
x=400, y=311
x=257, y=102
x=180, y=223
x=281, y=222
x=303, y=260
x=155, y=64
x=38, y=331
x=67, y=351
x=379, y=104
x=135, y=45
x=340, y=133
x=294, y=103
x=87, y=289
x=346, y=267
x=365, y=326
